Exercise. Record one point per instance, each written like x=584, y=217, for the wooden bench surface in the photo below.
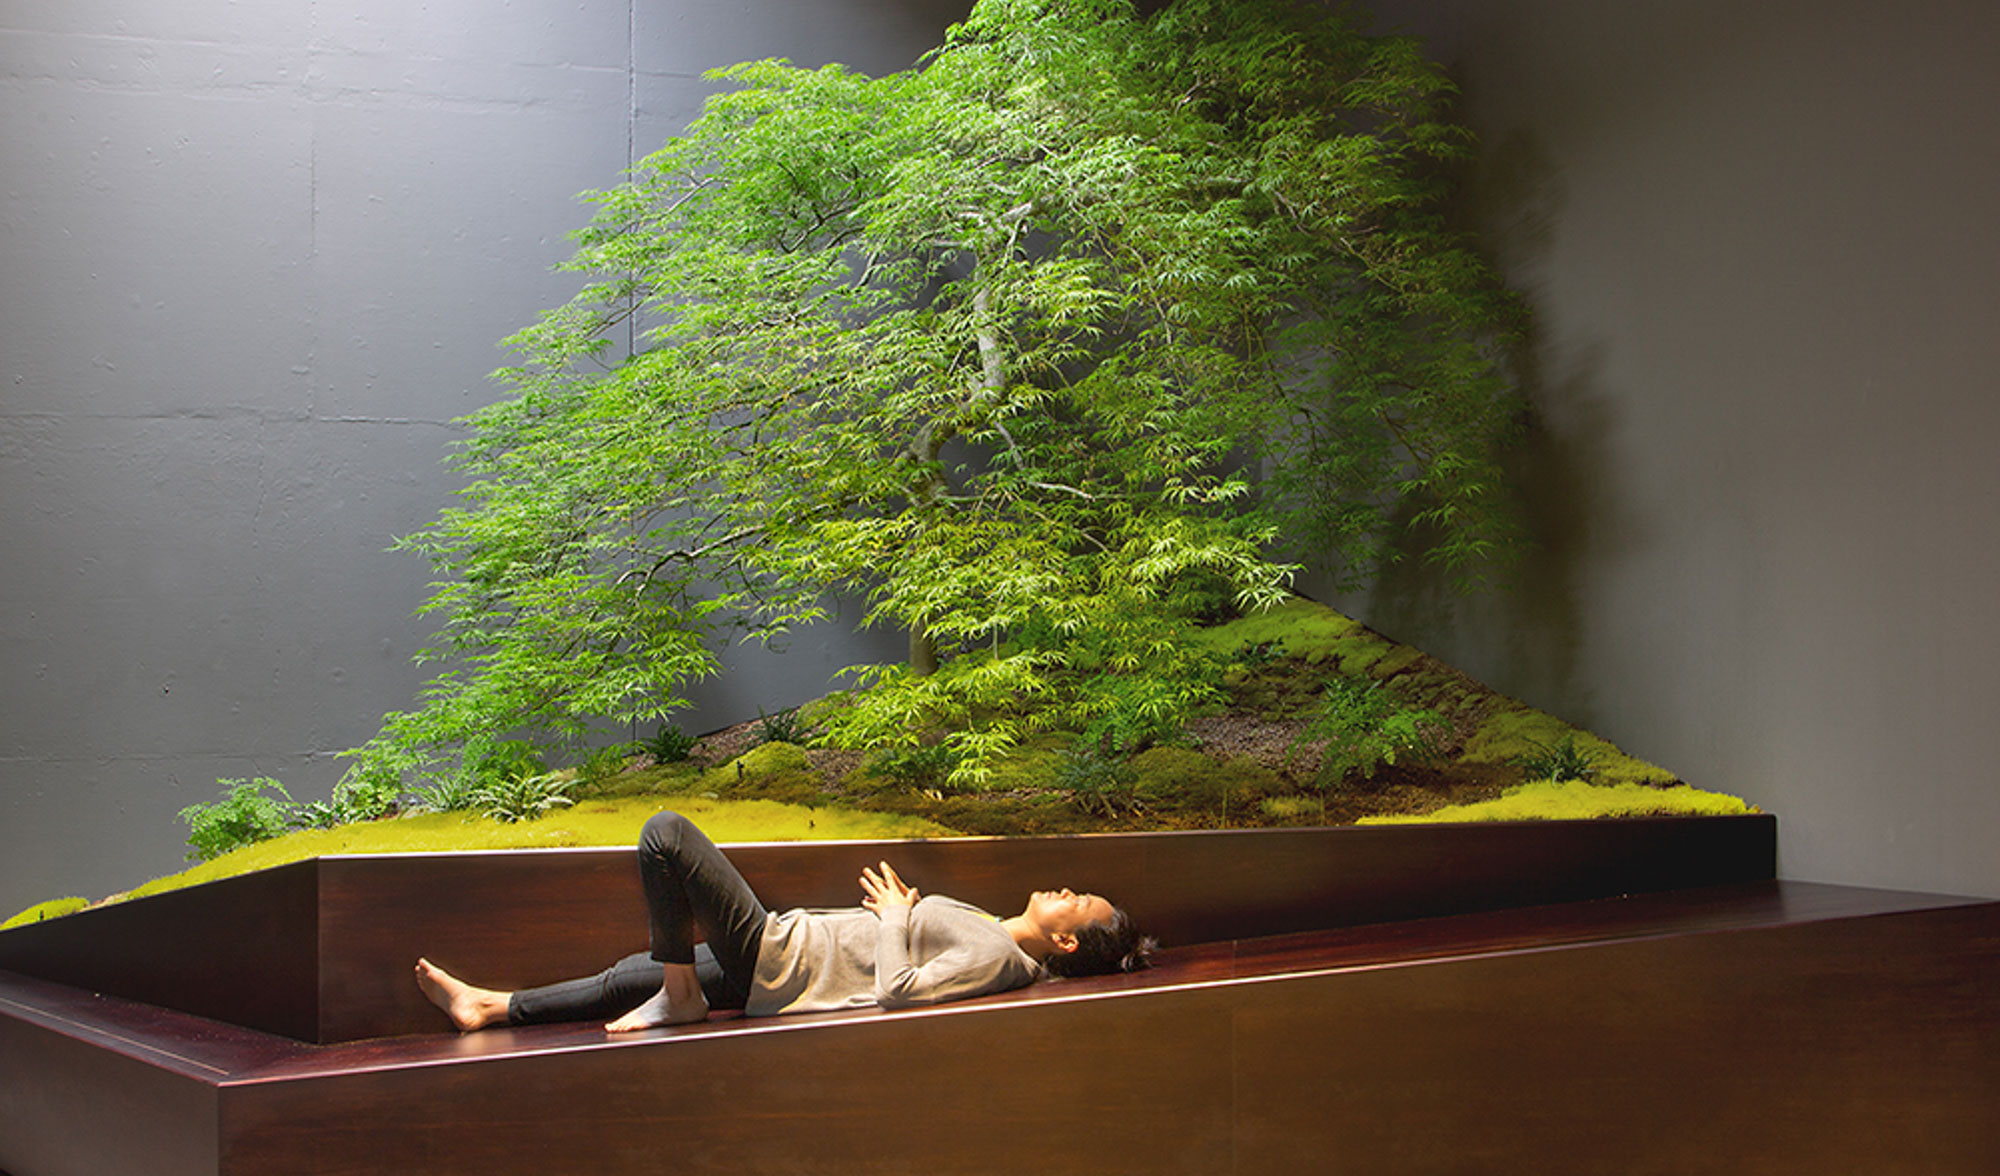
x=226, y=1054
x=319, y=950
x=1463, y=1042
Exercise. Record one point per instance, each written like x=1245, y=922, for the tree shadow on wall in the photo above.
x=1525, y=634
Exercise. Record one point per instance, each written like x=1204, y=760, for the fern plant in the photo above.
x=926, y=768
x=524, y=797
x=449, y=792
x=1361, y=726
x=670, y=744
x=1097, y=783
x=784, y=727
x=244, y=816
x=1558, y=761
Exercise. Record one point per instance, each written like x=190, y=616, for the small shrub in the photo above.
x=452, y=793
x=1558, y=761
x=1204, y=597
x=1258, y=653
x=318, y=814
x=244, y=816
x=485, y=766
x=919, y=769
x=368, y=792
x=488, y=761
x=1095, y=782
x=606, y=762
x=670, y=745
x=784, y=727
x=1363, y=726
x=1135, y=712
x=525, y=797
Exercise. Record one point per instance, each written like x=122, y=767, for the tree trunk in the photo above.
x=923, y=652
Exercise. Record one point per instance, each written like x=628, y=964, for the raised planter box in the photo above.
x=1589, y=998
x=320, y=951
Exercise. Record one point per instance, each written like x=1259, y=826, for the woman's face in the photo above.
x=1065, y=911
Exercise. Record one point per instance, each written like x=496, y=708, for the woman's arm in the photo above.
x=976, y=958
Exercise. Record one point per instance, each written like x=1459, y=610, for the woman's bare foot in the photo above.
x=678, y=1002
x=468, y=1007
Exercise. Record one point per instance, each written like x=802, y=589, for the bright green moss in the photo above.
x=1571, y=800
x=1031, y=765
x=54, y=908
x=1515, y=731
x=771, y=771
x=1162, y=774
x=1312, y=631
x=605, y=821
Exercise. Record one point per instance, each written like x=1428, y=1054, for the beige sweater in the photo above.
x=941, y=949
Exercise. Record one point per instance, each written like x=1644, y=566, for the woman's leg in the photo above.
x=618, y=989
x=689, y=883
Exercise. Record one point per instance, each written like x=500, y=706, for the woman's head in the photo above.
x=1090, y=936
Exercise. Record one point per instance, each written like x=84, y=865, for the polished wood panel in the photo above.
x=940, y=1093
x=1753, y=1027
x=321, y=950
x=516, y=919
x=1859, y=1045
x=243, y=950
x=510, y=919
x=73, y=1099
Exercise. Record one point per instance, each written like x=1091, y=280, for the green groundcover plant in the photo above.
x=1093, y=315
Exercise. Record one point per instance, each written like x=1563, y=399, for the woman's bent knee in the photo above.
x=663, y=831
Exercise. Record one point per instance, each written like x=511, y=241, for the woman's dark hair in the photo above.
x=1108, y=945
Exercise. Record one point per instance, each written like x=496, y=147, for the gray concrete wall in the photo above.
x=254, y=258
x=1761, y=242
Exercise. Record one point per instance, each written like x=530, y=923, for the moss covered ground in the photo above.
x=1250, y=761
x=595, y=820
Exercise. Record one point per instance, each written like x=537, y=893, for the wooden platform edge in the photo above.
x=1839, y=1044
x=1881, y=1000
x=307, y=952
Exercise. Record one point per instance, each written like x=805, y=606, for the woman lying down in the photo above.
x=895, y=950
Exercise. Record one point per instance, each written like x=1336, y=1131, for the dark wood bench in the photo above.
x=1468, y=998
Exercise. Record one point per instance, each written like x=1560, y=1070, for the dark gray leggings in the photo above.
x=688, y=883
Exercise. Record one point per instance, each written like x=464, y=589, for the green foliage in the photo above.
x=1001, y=345
x=925, y=768
x=484, y=764
x=244, y=816
x=1130, y=712
x=670, y=744
x=605, y=762
x=524, y=797
x=784, y=727
x=369, y=791
x=1259, y=653
x=1362, y=726
x=1095, y=782
x=1559, y=761
x=449, y=792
